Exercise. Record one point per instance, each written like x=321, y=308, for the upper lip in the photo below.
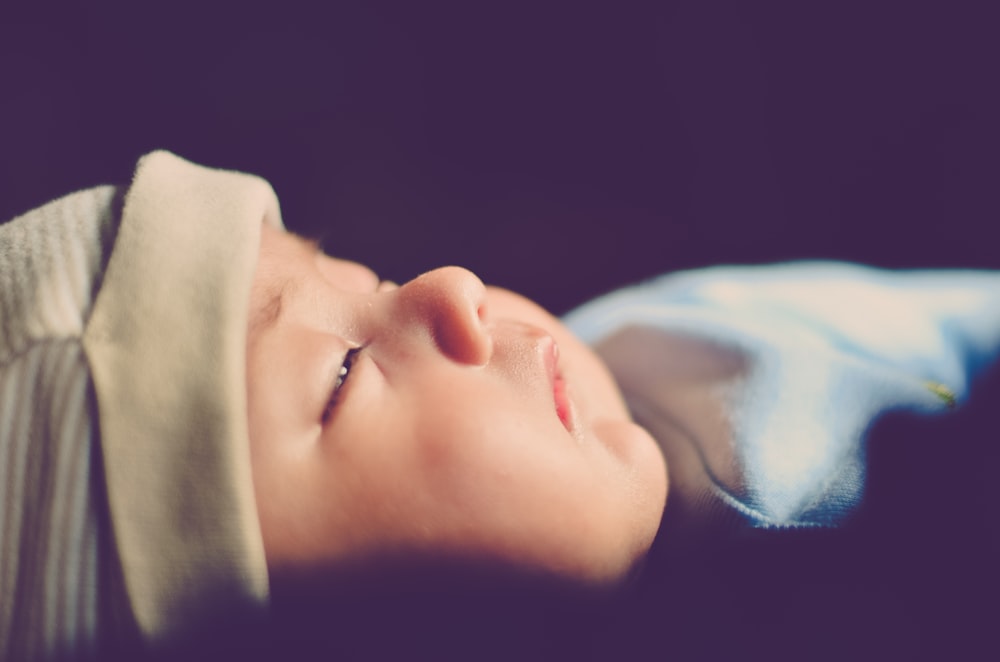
x=550, y=352
x=546, y=350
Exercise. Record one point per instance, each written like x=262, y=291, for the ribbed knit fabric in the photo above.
x=50, y=505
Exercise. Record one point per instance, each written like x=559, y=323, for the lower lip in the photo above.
x=559, y=390
x=562, y=401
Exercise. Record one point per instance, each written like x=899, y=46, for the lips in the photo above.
x=559, y=396
x=535, y=344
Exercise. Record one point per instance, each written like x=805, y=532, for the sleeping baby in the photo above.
x=198, y=406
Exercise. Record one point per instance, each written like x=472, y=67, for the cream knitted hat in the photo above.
x=163, y=335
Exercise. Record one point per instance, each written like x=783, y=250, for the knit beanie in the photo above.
x=125, y=476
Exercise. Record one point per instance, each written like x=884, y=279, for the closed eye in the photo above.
x=340, y=379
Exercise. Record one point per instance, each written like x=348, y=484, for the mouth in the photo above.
x=559, y=396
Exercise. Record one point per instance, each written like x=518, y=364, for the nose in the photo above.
x=450, y=302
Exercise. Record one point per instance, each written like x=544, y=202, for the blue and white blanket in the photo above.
x=822, y=350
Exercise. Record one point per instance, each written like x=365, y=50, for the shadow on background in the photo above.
x=563, y=149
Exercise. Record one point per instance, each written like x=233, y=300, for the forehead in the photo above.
x=277, y=246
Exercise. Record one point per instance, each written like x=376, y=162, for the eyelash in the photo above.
x=345, y=370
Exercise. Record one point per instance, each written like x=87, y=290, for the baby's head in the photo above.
x=439, y=416
x=265, y=411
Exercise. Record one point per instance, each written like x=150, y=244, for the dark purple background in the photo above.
x=562, y=149
x=557, y=148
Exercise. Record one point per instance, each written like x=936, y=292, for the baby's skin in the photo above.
x=439, y=416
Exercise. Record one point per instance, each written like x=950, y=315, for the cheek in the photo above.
x=456, y=471
x=462, y=448
x=407, y=476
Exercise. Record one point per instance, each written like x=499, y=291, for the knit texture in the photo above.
x=50, y=539
x=127, y=509
x=166, y=344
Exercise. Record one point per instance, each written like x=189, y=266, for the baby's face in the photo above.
x=440, y=416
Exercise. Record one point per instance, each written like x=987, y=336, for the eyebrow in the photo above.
x=267, y=315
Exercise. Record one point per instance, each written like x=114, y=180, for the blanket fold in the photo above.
x=771, y=376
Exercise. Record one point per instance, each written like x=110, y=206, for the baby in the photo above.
x=438, y=415
x=199, y=406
